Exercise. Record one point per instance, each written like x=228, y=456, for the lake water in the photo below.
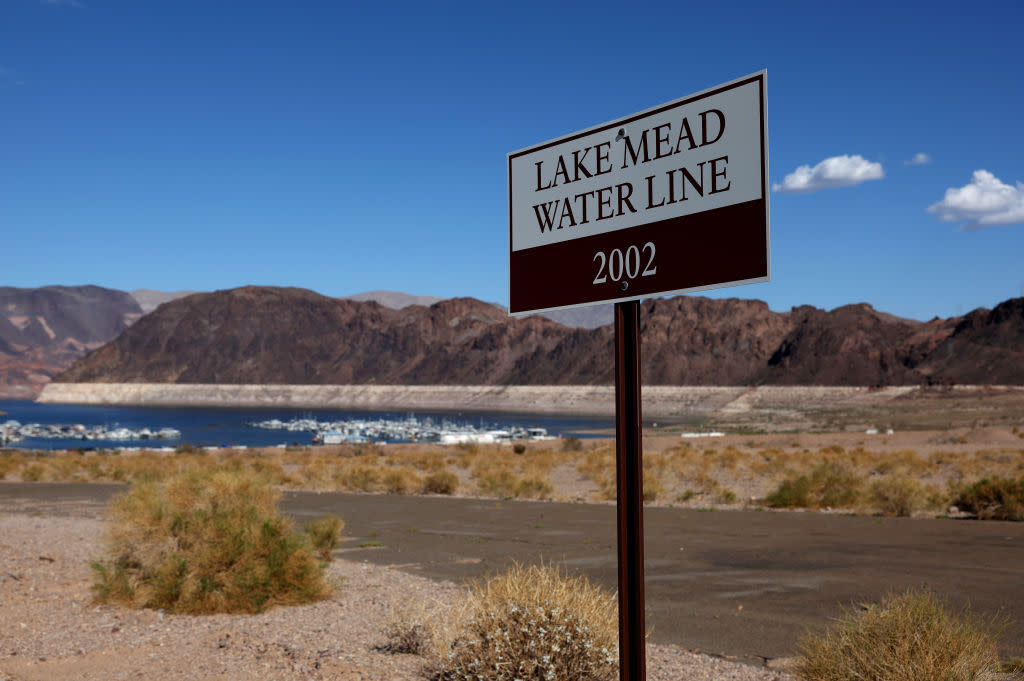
x=203, y=426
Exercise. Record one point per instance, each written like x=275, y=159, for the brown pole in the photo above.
x=630, y=494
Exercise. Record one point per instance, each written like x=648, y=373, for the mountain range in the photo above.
x=43, y=330
x=296, y=336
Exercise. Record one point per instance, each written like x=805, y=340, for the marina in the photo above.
x=409, y=429
x=13, y=432
x=66, y=426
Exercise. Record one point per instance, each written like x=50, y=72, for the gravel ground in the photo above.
x=50, y=629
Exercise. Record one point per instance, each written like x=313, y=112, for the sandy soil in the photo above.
x=51, y=629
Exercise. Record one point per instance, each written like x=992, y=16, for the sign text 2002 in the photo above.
x=616, y=264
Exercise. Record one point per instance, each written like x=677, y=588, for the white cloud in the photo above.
x=837, y=171
x=920, y=159
x=985, y=202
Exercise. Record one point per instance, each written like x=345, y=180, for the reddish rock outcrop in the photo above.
x=295, y=336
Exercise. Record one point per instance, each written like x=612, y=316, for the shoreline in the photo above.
x=682, y=402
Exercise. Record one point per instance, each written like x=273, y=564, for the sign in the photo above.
x=668, y=200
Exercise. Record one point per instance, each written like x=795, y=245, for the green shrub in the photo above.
x=205, y=541
x=791, y=493
x=535, y=623
x=324, y=534
x=441, y=482
x=993, y=499
x=829, y=485
x=908, y=637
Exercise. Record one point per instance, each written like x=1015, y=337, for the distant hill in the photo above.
x=286, y=335
x=584, y=317
x=149, y=299
x=43, y=330
x=396, y=300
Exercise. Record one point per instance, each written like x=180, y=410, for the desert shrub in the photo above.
x=725, y=495
x=533, y=488
x=401, y=481
x=33, y=472
x=653, y=488
x=518, y=448
x=499, y=482
x=908, y=637
x=993, y=499
x=571, y=444
x=323, y=534
x=358, y=478
x=791, y=493
x=897, y=495
x=412, y=629
x=9, y=462
x=830, y=484
x=533, y=622
x=441, y=482
x=205, y=541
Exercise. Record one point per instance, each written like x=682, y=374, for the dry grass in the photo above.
x=908, y=637
x=533, y=622
x=207, y=540
x=781, y=471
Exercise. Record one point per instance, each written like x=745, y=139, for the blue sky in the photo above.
x=345, y=148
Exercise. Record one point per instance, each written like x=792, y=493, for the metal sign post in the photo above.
x=669, y=200
x=630, y=493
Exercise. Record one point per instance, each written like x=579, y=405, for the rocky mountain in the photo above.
x=43, y=330
x=276, y=335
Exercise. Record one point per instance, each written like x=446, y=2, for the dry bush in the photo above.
x=572, y=444
x=10, y=461
x=533, y=488
x=898, y=496
x=33, y=472
x=653, y=488
x=441, y=482
x=905, y=461
x=829, y=485
x=993, y=499
x=496, y=481
x=205, y=541
x=416, y=629
x=358, y=478
x=535, y=623
x=401, y=481
x=324, y=534
x=908, y=637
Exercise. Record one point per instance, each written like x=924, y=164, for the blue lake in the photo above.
x=203, y=426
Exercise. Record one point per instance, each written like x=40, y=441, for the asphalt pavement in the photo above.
x=742, y=584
